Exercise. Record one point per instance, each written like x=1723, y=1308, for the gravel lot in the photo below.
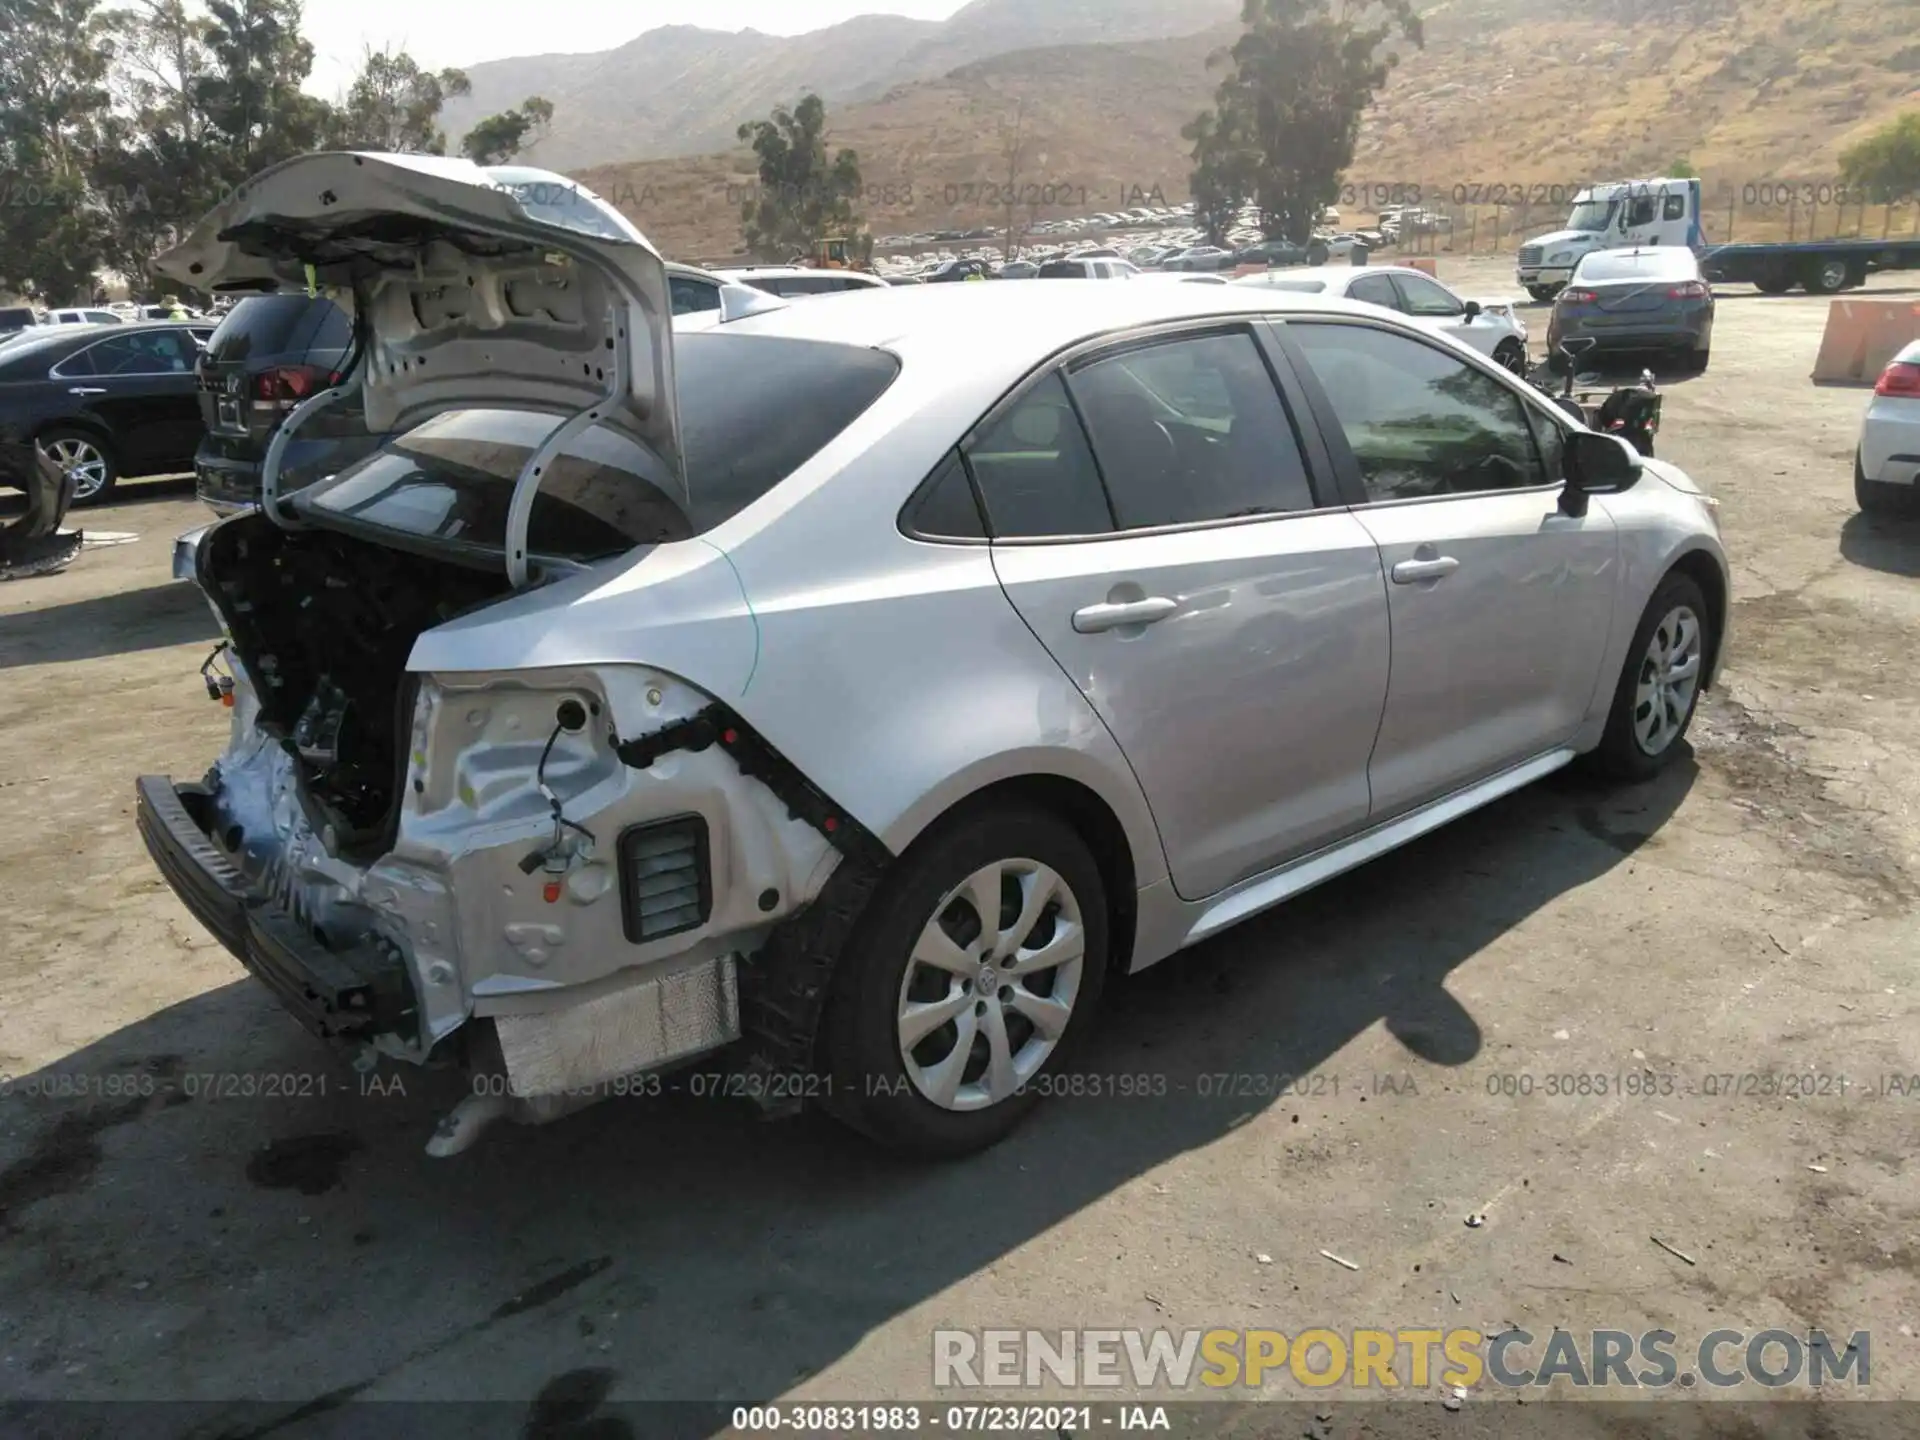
x=285, y=1239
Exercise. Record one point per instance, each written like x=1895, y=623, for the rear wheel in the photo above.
x=1513, y=355
x=1825, y=276
x=974, y=974
x=1875, y=497
x=86, y=458
x=1773, y=283
x=1544, y=293
x=1659, y=686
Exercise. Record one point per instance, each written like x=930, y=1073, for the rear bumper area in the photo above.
x=336, y=994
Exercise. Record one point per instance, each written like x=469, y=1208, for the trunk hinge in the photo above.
x=527, y=483
x=758, y=760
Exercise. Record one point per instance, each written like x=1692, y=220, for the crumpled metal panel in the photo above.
x=643, y=1026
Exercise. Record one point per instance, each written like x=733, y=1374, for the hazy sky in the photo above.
x=438, y=33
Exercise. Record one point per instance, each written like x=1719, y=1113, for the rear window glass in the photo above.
x=1672, y=263
x=753, y=409
x=1063, y=270
x=278, y=325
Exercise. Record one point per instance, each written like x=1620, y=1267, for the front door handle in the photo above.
x=87, y=390
x=1412, y=572
x=1092, y=619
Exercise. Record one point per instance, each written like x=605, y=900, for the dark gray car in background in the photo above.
x=1650, y=299
x=270, y=353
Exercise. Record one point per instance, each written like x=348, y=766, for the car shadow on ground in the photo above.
x=127, y=492
x=174, y=613
x=1888, y=543
x=298, y=1248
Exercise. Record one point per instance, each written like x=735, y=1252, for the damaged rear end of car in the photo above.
x=481, y=803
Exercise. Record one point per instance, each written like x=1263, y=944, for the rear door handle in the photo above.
x=87, y=390
x=1412, y=572
x=1092, y=619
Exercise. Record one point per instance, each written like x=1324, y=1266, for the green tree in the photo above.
x=394, y=105
x=1887, y=163
x=498, y=138
x=1287, y=115
x=54, y=66
x=803, y=193
x=251, y=98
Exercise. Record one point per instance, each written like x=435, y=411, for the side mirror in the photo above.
x=1472, y=311
x=1597, y=465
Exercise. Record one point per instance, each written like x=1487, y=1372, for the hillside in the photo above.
x=682, y=90
x=1509, y=95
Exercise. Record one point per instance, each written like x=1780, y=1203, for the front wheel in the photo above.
x=1659, y=686
x=1513, y=355
x=973, y=976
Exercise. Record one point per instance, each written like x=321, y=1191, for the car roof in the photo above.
x=1020, y=324
x=1335, y=275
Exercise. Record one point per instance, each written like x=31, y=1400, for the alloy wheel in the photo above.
x=1513, y=355
x=1669, y=679
x=83, y=461
x=990, y=987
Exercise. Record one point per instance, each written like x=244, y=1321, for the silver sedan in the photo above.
x=853, y=688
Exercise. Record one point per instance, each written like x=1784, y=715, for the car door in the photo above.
x=1501, y=604
x=141, y=385
x=1159, y=528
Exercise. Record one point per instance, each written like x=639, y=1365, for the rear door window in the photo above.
x=1192, y=430
x=1035, y=471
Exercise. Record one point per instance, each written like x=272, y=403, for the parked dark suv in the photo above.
x=269, y=354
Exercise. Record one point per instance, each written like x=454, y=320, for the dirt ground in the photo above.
x=209, y=1208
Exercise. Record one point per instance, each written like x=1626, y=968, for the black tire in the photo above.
x=72, y=437
x=1695, y=362
x=1777, y=283
x=1620, y=755
x=860, y=1049
x=1544, y=293
x=1874, y=497
x=1825, y=276
x=1513, y=356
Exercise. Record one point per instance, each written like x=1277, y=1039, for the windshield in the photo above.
x=1592, y=215
x=753, y=409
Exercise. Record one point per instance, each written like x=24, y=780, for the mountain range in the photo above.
x=1081, y=102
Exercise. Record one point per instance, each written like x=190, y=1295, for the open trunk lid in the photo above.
x=473, y=288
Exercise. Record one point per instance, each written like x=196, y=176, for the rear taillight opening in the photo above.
x=1901, y=378
x=1688, y=290
x=285, y=386
x=1578, y=297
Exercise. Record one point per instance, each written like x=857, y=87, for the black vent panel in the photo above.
x=666, y=885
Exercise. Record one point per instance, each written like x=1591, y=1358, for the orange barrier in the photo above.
x=1861, y=337
x=1240, y=270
